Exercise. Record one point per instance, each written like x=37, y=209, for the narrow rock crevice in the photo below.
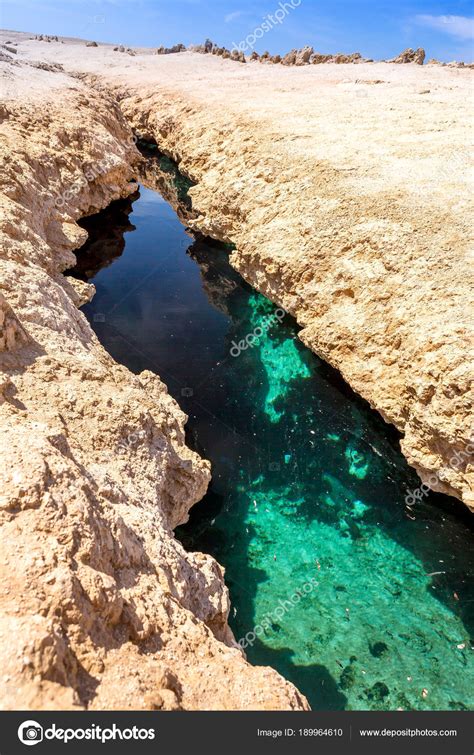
x=103, y=607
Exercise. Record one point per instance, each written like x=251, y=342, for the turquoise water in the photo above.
x=360, y=601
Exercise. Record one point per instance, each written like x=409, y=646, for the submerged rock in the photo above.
x=378, y=692
x=378, y=649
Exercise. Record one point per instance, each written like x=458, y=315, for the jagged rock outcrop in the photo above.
x=170, y=50
x=355, y=57
x=210, y=48
x=355, y=258
x=100, y=606
x=307, y=56
x=410, y=56
x=303, y=56
x=290, y=58
x=46, y=38
x=318, y=57
x=365, y=247
x=12, y=333
x=367, y=257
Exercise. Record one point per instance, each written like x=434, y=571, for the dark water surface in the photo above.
x=361, y=602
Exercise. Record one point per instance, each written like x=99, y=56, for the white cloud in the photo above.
x=457, y=26
x=232, y=16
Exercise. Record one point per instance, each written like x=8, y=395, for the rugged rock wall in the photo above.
x=347, y=198
x=100, y=606
x=375, y=272
x=347, y=191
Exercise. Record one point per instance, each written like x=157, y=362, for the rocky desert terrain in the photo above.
x=346, y=190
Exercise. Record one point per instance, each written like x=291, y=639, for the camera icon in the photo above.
x=30, y=732
x=99, y=317
x=187, y=391
x=273, y=467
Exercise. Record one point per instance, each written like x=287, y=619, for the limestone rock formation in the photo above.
x=355, y=57
x=410, y=56
x=47, y=38
x=318, y=57
x=12, y=333
x=341, y=212
x=302, y=56
x=100, y=606
x=238, y=56
x=169, y=50
x=368, y=248
x=360, y=261
x=290, y=58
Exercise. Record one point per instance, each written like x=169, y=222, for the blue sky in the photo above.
x=376, y=28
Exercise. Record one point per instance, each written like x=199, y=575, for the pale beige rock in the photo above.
x=303, y=55
x=289, y=59
x=410, y=56
x=352, y=209
x=349, y=205
x=100, y=606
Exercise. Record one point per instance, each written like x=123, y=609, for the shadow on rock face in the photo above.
x=106, y=241
x=314, y=681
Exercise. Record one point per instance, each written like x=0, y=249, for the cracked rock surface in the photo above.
x=100, y=606
x=347, y=191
